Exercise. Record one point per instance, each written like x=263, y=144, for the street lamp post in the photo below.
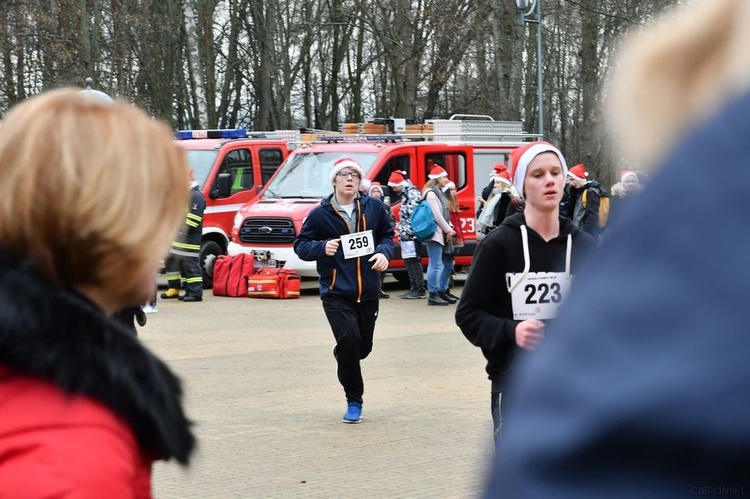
x=526, y=9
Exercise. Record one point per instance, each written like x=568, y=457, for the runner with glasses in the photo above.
x=350, y=236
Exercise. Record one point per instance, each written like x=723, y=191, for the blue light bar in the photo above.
x=230, y=133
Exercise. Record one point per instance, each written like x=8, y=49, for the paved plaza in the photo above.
x=261, y=387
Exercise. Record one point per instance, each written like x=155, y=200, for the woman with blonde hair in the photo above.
x=439, y=247
x=92, y=195
x=642, y=387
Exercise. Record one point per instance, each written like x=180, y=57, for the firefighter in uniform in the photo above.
x=183, y=264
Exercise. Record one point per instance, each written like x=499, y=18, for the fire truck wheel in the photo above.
x=210, y=250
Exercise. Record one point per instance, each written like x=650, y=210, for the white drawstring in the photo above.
x=527, y=258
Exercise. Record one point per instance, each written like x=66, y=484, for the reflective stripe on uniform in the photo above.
x=188, y=254
x=186, y=246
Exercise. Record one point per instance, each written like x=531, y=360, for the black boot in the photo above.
x=451, y=295
x=436, y=299
x=446, y=297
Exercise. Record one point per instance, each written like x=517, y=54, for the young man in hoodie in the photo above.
x=648, y=396
x=351, y=237
x=522, y=270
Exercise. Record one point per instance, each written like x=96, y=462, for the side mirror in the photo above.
x=223, y=186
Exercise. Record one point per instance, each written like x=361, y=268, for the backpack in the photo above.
x=603, y=206
x=422, y=221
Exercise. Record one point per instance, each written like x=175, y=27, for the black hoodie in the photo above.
x=485, y=313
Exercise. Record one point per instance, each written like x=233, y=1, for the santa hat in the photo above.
x=522, y=156
x=346, y=163
x=396, y=179
x=502, y=174
x=375, y=186
x=629, y=173
x=449, y=185
x=578, y=172
x=436, y=171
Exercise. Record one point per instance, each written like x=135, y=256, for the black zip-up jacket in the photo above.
x=485, y=312
x=353, y=278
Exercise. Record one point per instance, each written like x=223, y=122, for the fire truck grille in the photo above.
x=267, y=230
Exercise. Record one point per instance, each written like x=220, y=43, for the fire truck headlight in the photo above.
x=237, y=221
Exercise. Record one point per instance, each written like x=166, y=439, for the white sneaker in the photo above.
x=148, y=309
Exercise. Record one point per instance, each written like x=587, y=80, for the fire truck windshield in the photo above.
x=306, y=175
x=201, y=161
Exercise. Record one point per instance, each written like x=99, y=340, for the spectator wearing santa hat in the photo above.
x=410, y=197
x=496, y=172
x=585, y=216
x=440, y=246
x=375, y=190
x=349, y=280
x=622, y=192
x=499, y=203
x=521, y=271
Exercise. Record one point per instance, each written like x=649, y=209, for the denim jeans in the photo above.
x=439, y=268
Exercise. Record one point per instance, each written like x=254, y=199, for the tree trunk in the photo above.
x=197, y=88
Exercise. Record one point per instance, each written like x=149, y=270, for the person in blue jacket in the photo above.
x=350, y=236
x=642, y=388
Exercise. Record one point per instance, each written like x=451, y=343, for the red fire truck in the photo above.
x=467, y=148
x=230, y=167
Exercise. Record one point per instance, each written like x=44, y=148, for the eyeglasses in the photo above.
x=348, y=174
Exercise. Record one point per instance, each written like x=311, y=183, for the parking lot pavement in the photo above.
x=261, y=387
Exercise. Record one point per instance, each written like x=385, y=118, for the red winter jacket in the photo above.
x=84, y=406
x=58, y=445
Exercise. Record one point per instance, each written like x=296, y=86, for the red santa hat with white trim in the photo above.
x=436, y=170
x=578, y=172
x=346, y=163
x=375, y=186
x=396, y=179
x=501, y=173
x=522, y=156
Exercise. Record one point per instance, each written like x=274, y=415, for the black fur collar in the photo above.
x=60, y=336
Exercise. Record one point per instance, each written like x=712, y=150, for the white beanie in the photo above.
x=345, y=163
x=448, y=186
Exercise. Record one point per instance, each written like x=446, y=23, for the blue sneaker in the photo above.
x=353, y=413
